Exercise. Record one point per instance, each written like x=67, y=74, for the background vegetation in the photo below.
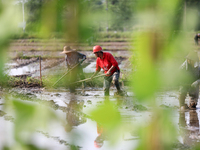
x=159, y=28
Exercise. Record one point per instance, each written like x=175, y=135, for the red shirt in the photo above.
x=106, y=63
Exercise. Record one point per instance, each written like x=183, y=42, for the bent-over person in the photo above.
x=108, y=63
x=190, y=85
x=72, y=58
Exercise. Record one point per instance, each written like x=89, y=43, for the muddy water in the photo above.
x=58, y=135
x=75, y=121
x=74, y=110
x=22, y=70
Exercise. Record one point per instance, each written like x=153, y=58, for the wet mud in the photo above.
x=74, y=109
x=39, y=67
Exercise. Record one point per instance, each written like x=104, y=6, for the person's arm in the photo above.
x=195, y=83
x=113, y=61
x=82, y=56
x=110, y=70
x=114, y=64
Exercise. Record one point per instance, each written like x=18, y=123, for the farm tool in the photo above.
x=67, y=72
x=88, y=79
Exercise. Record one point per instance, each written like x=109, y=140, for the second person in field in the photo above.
x=108, y=63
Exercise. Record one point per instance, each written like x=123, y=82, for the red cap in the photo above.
x=97, y=48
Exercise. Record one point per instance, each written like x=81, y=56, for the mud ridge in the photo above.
x=25, y=62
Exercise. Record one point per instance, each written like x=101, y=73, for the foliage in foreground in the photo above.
x=153, y=48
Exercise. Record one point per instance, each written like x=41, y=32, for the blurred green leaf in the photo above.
x=108, y=116
x=160, y=133
x=28, y=117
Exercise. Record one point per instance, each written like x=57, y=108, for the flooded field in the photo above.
x=75, y=127
x=73, y=112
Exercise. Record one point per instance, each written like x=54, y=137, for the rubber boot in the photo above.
x=119, y=93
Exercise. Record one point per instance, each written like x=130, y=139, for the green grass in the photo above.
x=64, y=82
x=100, y=36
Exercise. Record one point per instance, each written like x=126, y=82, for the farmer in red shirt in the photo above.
x=107, y=62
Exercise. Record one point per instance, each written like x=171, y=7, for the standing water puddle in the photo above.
x=58, y=135
x=34, y=69
x=21, y=70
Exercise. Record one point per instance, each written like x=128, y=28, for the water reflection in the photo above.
x=99, y=141
x=108, y=119
x=74, y=115
x=189, y=127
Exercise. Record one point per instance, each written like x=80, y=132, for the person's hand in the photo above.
x=92, y=77
x=81, y=61
x=194, y=84
x=108, y=73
